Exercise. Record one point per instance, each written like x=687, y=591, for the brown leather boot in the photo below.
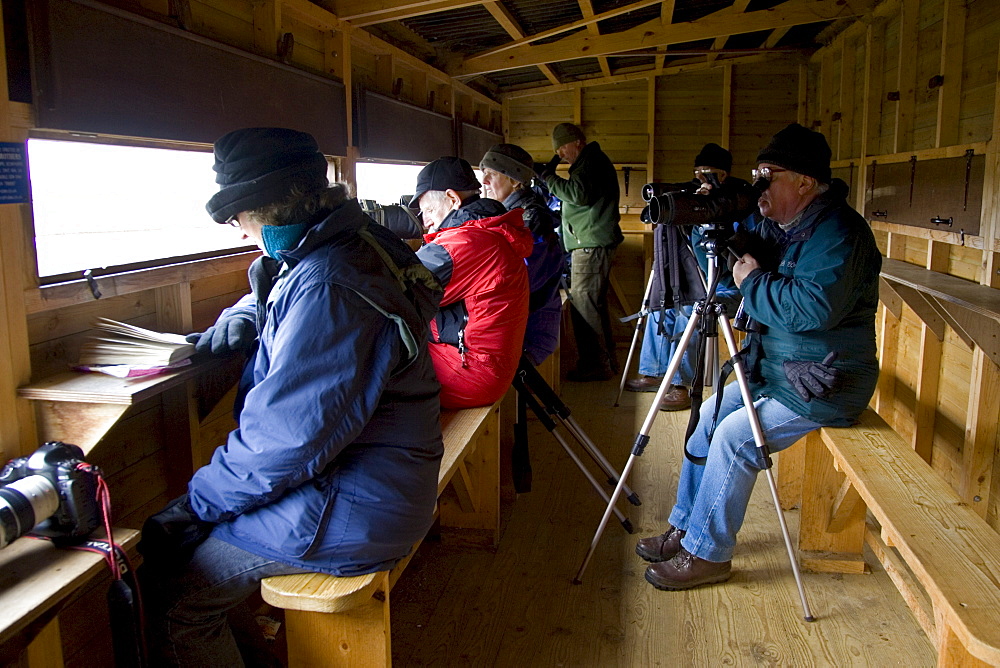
x=677, y=399
x=660, y=548
x=643, y=384
x=685, y=571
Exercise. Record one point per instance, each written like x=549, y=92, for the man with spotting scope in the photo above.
x=809, y=278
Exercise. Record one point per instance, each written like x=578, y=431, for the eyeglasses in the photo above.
x=232, y=221
x=765, y=173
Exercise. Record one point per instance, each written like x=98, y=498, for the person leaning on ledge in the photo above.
x=318, y=476
x=809, y=277
x=590, y=233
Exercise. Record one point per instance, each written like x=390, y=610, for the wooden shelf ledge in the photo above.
x=80, y=408
x=970, y=309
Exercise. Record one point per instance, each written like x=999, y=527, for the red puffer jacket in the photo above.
x=477, y=336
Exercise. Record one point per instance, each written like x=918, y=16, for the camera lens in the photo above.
x=25, y=503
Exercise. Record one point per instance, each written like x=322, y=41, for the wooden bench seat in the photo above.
x=943, y=557
x=344, y=621
x=36, y=580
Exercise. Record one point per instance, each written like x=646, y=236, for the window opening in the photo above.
x=102, y=205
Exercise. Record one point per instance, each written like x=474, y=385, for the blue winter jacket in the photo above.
x=334, y=465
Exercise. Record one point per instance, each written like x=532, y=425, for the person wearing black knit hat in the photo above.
x=338, y=315
x=811, y=284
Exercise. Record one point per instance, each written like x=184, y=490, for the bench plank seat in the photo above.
x=950, y=549
x=344, y=621
x=36, y=578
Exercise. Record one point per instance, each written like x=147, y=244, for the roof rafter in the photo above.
x=587, y=9
x=510, y=24
x=654, y=34
x=365, y=12
x=582, y=23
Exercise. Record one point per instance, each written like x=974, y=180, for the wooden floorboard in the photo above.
x=516, y=606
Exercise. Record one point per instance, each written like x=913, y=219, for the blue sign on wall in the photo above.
x=13, y=173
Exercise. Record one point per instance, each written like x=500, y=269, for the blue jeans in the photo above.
x=188, y=614
x=657, y=349
x=712, y=499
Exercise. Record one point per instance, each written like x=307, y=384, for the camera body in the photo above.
x=50, y=492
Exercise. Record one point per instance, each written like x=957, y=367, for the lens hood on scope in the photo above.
x=651, y=190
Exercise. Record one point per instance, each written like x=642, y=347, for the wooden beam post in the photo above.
x=950, y=91
x=17, y=428
x=727, y=106
x=906, y=76
x=929, y=371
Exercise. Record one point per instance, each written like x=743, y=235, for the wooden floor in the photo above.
x=465, y=606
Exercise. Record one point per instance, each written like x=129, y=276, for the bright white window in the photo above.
x=100, y=205
x=386, y=183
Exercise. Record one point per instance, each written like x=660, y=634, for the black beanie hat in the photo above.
x=448, y=173
x=259, y=166
x=713, y=155
x=799, y=149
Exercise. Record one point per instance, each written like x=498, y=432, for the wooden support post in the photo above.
x=979, y=446
x=821, y=550
x=950, y=91
x=929, y=371
x=845, y=136
x=907, y=76
x=358, y=638
x=17, y=427
x=727, y=105
x=888, y=342
x=803, y=98
x=266, y=26
x=483, y=465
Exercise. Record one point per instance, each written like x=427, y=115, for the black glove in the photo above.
x=813, y=379
x=169, y=537
x=234, y=333
x=549, y=168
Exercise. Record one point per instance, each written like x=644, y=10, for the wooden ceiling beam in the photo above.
x=654, y=34
x=587, y=9
x=364, y=12
x=513, y=28
x=720, y=42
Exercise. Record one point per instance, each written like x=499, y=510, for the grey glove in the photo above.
x=813, y=380
x=234, y=333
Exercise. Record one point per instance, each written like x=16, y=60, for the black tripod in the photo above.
x=712, y=314
x=534, y=393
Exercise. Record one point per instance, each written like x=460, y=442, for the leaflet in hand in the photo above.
x=124, y=344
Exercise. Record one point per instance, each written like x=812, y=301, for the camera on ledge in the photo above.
x=723, y=204
x=52, y=491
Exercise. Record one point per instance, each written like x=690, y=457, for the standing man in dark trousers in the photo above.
x=590, y=233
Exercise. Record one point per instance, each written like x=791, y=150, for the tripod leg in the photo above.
x=554, y=406
x=520, y=458
x=642, y=438
x=643, y=314
x=758, y=437
x=547, y=422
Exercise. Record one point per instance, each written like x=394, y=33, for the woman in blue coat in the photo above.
x=334, y=465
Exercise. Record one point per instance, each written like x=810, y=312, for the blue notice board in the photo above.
x=13, y=173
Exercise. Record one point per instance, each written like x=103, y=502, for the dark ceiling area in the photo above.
x=510, y=45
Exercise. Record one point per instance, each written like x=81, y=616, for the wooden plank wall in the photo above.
x=871, y=91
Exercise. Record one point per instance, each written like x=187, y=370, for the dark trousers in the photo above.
x=589, y=283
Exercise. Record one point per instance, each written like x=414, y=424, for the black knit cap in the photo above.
x=449, y=173
x=713, y=155
x=259, y=166
x=799, y=149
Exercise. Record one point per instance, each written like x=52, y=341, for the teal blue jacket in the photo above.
x=589, y=201
x=820, y=296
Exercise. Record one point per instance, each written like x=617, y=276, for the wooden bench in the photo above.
x=941, y=555
x=344, y=621
x=36, y=581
